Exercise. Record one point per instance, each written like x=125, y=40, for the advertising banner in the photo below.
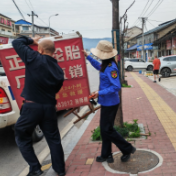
x=3, y=40
x=75, y=91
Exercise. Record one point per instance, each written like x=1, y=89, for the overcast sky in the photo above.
x=93, y=18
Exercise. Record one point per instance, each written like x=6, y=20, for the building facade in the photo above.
x=153, y=35
x=23, y=27
x=7, y=29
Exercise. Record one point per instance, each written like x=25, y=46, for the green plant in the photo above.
x=123, y=131
x=124, y=85
x=96, y=136
x=130, y=130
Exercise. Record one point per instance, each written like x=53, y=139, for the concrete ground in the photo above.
x=155, y=108
x=168, y=83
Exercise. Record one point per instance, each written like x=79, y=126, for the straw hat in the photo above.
x=104, y=50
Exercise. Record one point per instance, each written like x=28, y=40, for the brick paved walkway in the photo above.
x=156, y=110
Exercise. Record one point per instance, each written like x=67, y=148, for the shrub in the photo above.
x=129, y=130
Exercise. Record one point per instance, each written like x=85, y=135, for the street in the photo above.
x=11, y=161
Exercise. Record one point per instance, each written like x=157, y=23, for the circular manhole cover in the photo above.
x=139, y=162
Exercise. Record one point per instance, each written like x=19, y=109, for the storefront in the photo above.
x=148, y=48
x=132, y=52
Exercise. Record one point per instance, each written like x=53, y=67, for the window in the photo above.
x=9, y=31
x=13, y=27
x=166, y=59
x=25, y=28
x=2, y=29
x=134, y=60
x=172, y=58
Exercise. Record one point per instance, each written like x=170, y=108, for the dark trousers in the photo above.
x=109, y=134
x=34, y=114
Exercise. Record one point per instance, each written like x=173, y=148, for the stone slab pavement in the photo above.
x=155, y=108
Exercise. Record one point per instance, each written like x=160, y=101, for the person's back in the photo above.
x=43, y=79
x=156, y=64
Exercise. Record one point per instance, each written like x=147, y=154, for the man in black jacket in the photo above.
x=43, y=79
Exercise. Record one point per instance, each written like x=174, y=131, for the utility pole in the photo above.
x=143, y=25
x=116, y=26
x=32, y=15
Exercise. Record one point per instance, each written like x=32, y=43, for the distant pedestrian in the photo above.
x=157, y=64
x=43, y=79
x=108, y=97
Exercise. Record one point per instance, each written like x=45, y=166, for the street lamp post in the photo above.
x=49, y=22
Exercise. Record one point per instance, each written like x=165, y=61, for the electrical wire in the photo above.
x=151, y=23
x=148, y=7
x=31, y=5
x=155, y=8
x=144, y=8
x=28, y=5
x=156, y=21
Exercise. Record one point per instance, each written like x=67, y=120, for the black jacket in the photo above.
x=43, y=76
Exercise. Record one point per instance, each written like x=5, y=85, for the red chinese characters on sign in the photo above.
x=3, y=40
x=75, y=90
x=6, y=22
x=169, y=44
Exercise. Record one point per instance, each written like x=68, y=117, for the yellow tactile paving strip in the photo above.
x=165, y=114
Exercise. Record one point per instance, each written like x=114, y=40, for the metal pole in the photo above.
x=49, y=27
x=143, y=24
x=33, y=33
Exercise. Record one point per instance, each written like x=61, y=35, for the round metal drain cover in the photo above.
x=140, y=161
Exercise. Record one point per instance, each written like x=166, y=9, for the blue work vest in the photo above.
x=109, y=83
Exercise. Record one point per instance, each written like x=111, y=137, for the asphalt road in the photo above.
x=11, y=161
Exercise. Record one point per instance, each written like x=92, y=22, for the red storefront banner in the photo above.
x=137, y=54
x=169, y=44
x=75, y=91
x=174, y=42
x=4, y=40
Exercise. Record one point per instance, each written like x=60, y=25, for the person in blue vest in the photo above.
x=43, y=79
x=108, y=97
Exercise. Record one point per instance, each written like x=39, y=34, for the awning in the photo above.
x=146, y=47
x=134, y=47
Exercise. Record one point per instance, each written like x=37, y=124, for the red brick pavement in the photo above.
x=133, y=108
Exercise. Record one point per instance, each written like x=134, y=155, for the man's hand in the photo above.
x=85, y=53
x=36, y=39
x=95, y=94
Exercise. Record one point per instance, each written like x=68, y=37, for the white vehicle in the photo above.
x=138, y=64
x=9, y=110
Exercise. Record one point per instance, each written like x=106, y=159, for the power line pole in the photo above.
x=32, y=15
x=143, y=25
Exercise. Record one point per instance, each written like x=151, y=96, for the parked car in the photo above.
x=138, y=64
x=9, y=110
x=168, y=65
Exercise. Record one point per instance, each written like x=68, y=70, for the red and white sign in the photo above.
x=137, y=54
x=174, y=42
x=75, y=91
x=169, y=44
x=3, y=40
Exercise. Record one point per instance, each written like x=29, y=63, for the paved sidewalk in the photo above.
x=155, y=108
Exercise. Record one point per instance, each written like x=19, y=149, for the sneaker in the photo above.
x=159, y=79
x=35, y=173
x=100, y=159
x=125, y=158
x=154, y=81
